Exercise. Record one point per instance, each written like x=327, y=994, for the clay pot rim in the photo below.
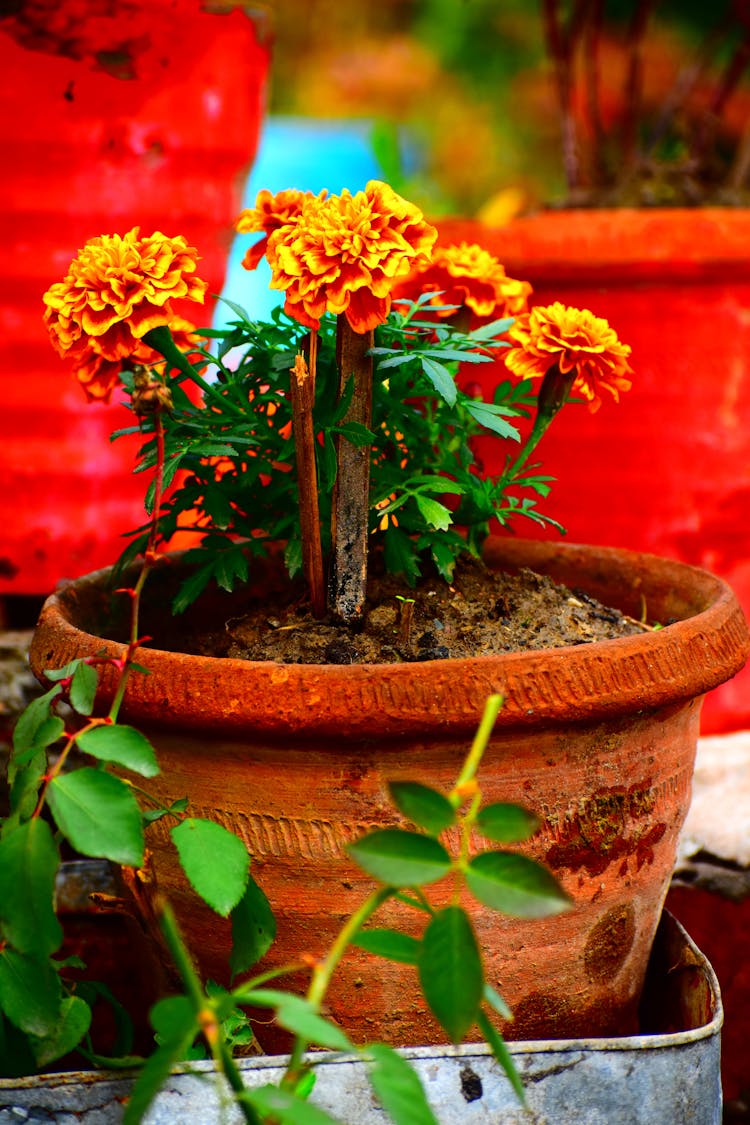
x=568, y=246
x=681, y=661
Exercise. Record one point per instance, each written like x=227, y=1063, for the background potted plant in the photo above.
x=652, y=226
x=295, y=757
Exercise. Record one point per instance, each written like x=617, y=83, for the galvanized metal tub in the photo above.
x=667, y=1076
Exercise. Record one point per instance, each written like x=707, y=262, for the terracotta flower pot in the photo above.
x=675, y=284
x=598, y=739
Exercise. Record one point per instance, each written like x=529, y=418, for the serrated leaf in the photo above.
x=29, y=859
x=426, y=807
x=400, y=858
x=494, y=328
x=515, y=885
x=391, y=944
x=98, y=814
x=113, y=742
x=31, y=719
x=24, y=789
x=492, y=419
x=215, y=861
x=30, y=993
x=285, y=1107
x=74, y=1022
x=253, y=928
x=450, y=971
x=441, y=379
x=398, y=1087
x=83, y=689
x=507, y=824
x=433, y=512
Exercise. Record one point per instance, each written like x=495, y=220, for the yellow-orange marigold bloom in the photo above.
x=467, y=274
x=118, y=288
x=269, y=213
x=574, y=339
x=343, y=254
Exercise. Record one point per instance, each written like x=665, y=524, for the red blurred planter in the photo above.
x=668, y=469
x=88, y=153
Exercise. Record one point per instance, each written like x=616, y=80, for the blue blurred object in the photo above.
x=303, y=153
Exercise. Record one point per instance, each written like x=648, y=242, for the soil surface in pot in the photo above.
x=482, y=612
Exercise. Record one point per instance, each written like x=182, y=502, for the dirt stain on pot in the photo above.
x=604, y=829
x=609, y=944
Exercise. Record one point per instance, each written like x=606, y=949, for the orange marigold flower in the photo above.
x=270, y=213
x=574, y=339
x=467, y=274
x=344, y=253
x=117, y=289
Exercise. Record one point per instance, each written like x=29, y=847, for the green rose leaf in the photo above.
x=253, y=928
x=29, y=859
x=499, y=1049
x=495, y=1000
x=83, y=689
x=24, y=788
x=507, y=824
x=450, y=971
x=424, y=806
x=398, y=1087
x=176, y=1024
x=30, y=993
x=390, y=944
x=515, y=884
x=215, y=861
x=16, y=1056
x=297, y=1015
x=26, y=731
x=285, y=1107
x=75, y=1022
x=98, y=814
x=401, y=859
x=121, y=744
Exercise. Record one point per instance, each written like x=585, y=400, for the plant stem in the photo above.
x=302, y=394
x=479, y=745
x=325, y=969
x=553, y=394
x=351, y=495
x=204, y=1013
x=149, y=557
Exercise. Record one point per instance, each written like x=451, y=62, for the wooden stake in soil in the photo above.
x=351, y=496
x=302, y=386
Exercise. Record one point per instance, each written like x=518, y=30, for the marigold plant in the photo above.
x=578, y=343
x=466, y=276
x=338, y=427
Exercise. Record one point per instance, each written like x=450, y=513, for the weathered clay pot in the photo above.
x=598, y=739
x=675, y=285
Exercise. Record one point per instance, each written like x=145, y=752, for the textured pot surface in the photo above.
x=675, y=285
x=598, y=740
